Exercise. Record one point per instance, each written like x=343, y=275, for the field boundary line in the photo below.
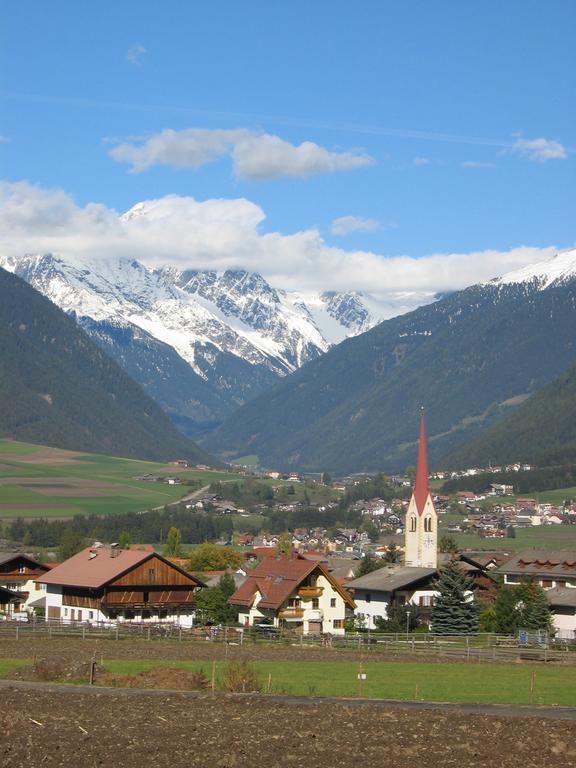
x=494, y=710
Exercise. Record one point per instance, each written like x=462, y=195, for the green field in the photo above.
x=48, y=482
x=464, y=683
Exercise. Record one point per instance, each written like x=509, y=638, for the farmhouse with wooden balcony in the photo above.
x=294, y=593
x=112, y=584
x=18, y=573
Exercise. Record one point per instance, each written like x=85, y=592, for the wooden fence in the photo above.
x=472, y=648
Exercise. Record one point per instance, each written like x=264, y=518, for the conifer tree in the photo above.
x=454, y=613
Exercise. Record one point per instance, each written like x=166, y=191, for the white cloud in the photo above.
x=255, y=156
x=419, y=161
x=476, y=164
x=344, y=225
x=135, y=54
x=540, y=150
x=221, y=234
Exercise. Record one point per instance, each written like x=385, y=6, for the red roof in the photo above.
x=421, y=488
x=276, y=579
x=95, y=567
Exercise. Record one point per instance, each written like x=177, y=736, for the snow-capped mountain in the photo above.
x=234, y=332
x=544, y=274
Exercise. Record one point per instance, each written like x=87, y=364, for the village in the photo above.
x=313, y=580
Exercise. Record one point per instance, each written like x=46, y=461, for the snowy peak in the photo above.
x=559, y=269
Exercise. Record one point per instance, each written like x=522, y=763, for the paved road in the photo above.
x=498, y=710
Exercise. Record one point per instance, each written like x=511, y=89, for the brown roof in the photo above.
x=541, y=563
x=277, y=578
x=94, y=567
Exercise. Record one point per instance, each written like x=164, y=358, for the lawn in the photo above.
x=47, y=482
x=464, y=683
x=537, y=537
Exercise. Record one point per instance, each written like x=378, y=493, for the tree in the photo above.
x=173, y=546
x=371, y=530
x=284, y=545
x=212, y=603
x=367, y=565
x=522, y=606
x=448, y=544
x=72, y=542
x=511, y=532
x=536, y=613
x=393, y=554
x=454, y=613
x=124, y=540
x=209, y=557
x=400, y=618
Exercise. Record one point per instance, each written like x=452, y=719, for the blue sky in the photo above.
x=434, y=127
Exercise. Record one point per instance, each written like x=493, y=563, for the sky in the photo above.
x=380, y=146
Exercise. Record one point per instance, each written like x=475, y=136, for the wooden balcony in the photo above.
x=291, y=614
x=308, y=592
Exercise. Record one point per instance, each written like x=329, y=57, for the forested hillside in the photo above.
x=58, y=388
x=542, y=431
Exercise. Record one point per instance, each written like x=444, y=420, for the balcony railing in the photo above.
x=306, y=592
x=291, y=613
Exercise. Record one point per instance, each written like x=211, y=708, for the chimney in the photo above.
x=114, y=551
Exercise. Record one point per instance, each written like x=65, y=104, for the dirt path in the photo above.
x=499, y=710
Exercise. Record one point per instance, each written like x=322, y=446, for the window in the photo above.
x=428, y=524
x=368, y=597
x=151, y=575
x=294, y=602
x=145, y=597
x=90, y=614
x=338, y=623
x=425, y=601
x=315, y=602
x=332, y=602
x=413, y=523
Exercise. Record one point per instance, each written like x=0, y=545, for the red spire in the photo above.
x=421, y=489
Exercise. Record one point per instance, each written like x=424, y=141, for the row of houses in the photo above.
x=308, y=593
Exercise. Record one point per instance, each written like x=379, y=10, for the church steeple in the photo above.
x=421, y=488
x=421, y=531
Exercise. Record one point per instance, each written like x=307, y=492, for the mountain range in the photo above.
x=58, y=388
x=470, y=359
x=201, y=343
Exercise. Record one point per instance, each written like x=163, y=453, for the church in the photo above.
x=413, y=582
x=421, y=528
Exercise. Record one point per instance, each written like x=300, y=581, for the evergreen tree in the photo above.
x=454, y=613
x=507, y=611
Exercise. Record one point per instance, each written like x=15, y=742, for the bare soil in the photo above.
x=62, y=728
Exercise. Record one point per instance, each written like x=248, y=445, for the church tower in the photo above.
x=421, y=519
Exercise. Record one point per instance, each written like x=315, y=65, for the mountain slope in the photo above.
x=469, y=359
x=542, y=431
x=58, y=388
x=220, y=338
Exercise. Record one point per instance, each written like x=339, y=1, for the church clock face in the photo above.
x=428, y=541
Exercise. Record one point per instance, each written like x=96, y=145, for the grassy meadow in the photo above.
x=442, y=682
x=36, y=481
